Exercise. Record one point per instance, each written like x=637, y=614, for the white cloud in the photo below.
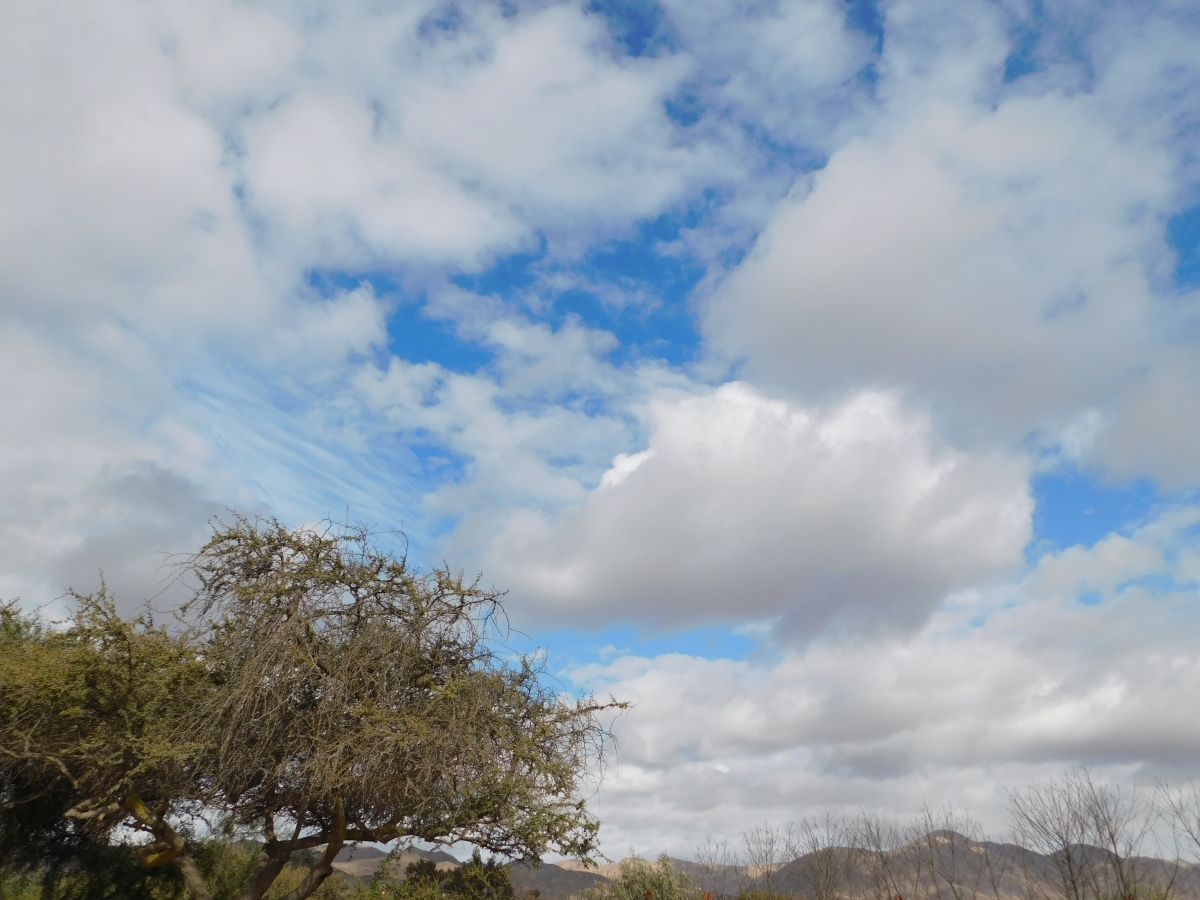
x=747, y=508
x=116, y=203
x=780, y=65
x=532, y=429
x=227, y=54
x=594, y=137
x=1158, y=428
x=458, y=143
x=170, y=178
x=991, y=260
x=1000, y=687
x=351, y=324
x=1000, y=254
x=336, y=196
x=98, y=470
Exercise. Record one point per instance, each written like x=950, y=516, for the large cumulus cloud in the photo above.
x=743, y=507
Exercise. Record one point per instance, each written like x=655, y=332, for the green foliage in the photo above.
x=474, y=880
x=333, y=888
x=19, y=887
x=84, y=710
x=88, y=711
x=100, y=872
x=430, y=733
x=637, y=878
x=226, y=865
x=478, y=880
x=106, y=872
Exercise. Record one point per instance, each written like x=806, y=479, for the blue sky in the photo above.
x=819, y=375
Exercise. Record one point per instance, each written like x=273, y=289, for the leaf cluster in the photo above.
x=91, y=710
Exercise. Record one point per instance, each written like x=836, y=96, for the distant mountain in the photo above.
x=553, y=882
x=363, y=861
x=359, y=851
x=609, y=870
x=940, y=866
x=949, y=865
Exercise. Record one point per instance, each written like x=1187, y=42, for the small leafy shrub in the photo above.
x=474, y=880
x=638, y=878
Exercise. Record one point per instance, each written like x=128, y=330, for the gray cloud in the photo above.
x=134, y=524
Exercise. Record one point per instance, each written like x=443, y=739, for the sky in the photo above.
x=820, y=376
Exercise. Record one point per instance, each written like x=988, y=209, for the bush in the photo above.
x=474, y=880
x=639, y=878
x=107, y=872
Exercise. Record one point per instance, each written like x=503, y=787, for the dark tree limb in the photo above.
x=324, y=867
x=169, y=846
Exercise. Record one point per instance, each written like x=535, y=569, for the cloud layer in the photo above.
x=1069, y=665
x=762, y=315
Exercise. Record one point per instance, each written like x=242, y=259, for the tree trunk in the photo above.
x=324, y=868
x=174, y=848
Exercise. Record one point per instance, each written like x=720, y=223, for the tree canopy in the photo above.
x=314, y=690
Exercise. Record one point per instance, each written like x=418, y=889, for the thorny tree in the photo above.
x=823, y=857
x=320, y=692
x=1100, y=839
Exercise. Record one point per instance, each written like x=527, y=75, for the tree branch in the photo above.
x=272, y=859
x=312, y=840
x=275, y=855
x=42, y=757
x=169, y=847
x=87, y=810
